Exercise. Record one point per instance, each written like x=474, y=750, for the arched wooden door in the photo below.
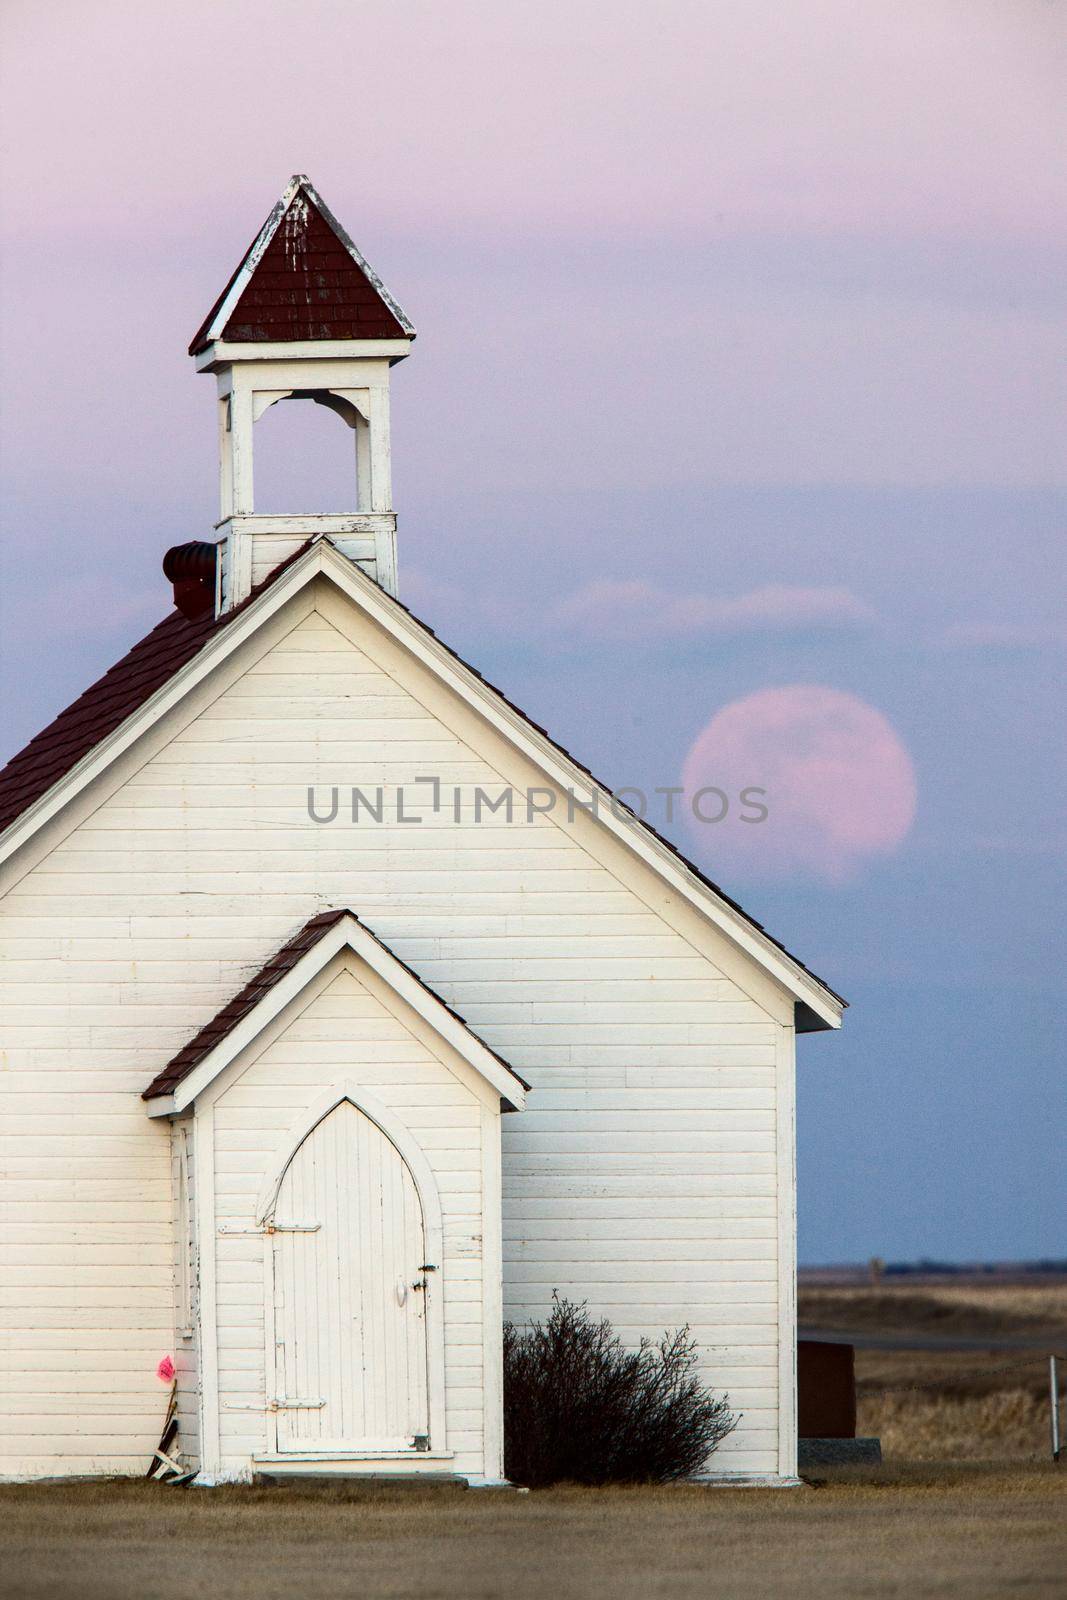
x=349, y=1295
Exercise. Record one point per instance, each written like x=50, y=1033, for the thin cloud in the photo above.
x=1002, y=636
x=627, y=608
x=610, y=608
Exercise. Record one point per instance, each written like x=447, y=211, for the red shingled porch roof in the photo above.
x=246, y=1000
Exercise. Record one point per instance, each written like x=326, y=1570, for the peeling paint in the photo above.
x=295, y=234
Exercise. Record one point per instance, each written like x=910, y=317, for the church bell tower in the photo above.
x=304, y=317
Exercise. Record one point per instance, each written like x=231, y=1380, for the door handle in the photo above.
x=401, y=1291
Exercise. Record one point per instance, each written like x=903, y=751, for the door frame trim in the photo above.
x=413, y=1156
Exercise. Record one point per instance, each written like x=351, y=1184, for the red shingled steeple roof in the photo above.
x=302, y=278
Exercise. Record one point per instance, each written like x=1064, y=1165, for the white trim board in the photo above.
x=786, y=1161
x=229, y=352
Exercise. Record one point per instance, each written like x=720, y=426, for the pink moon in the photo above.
x=840, y=784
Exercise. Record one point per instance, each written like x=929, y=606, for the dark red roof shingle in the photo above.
x=106, y=704
x=244, y=1002
x=103, y=707
x=307, y=284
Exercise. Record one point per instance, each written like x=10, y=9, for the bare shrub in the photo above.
x=579, y=1408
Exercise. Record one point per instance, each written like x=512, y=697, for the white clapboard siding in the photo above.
x=655, y=1051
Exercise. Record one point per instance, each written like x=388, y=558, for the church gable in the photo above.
x=407, y=653
x=311, y=773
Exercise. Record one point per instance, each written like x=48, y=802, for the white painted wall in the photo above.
x=652, y=1170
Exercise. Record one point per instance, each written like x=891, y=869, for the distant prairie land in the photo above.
x=978, y=1403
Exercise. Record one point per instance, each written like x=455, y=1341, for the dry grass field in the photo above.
x=966, y=1507
x=978, y=1404
x=968, y=1531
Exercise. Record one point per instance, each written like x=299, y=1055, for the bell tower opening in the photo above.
x=304, y=317
x=307, y=459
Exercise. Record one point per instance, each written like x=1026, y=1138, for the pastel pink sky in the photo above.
x=528, y=113
x=666, y=219
x=840, y=784
x=739, y=384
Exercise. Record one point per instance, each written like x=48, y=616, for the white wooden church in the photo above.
x=323, y=1047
